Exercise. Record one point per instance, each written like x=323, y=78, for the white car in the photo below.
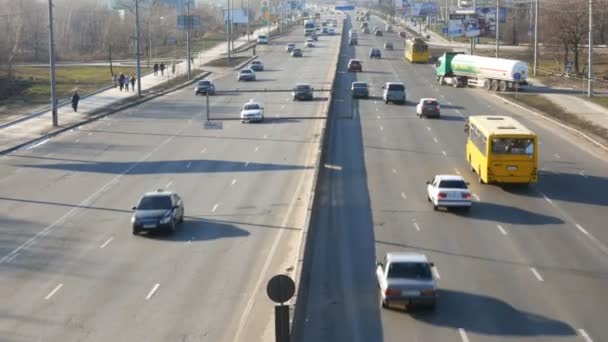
x=252, y=111
x=310, y=43
x=428, y=107
x=449, y=191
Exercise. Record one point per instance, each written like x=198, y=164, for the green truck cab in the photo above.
x=443, y=67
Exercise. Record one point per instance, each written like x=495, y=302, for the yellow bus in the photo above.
x=501, y=150
x=416, y=50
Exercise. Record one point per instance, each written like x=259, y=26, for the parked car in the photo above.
x=375, y=53
x=406, y=279
x=303, y=92
x=297, y=52
x=448, y=191
x=246, y=75
x=355, y=65
x=205, y=87
x=359, y=89
x=331, y=31
x=252, y=111
x=157, y=211
x=428, y=107
x=394, y=92
x=256, y=65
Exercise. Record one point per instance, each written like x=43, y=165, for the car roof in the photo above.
x=450, y=177
x=247, y=69
x=252, y=101
x=392, y=83
x=158, y=193
x=359, y=82
x=428, y=99
x=355, y=60
x=302, y=84
x=406, y=257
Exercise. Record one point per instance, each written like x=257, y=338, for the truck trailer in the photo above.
x=496, y=74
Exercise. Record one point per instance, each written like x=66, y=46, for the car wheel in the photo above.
x=135, y=231
x=435, y=207
x=385, y=101
x=172, y=228
x=181, y=218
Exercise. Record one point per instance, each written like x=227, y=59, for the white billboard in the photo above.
x=237, y=16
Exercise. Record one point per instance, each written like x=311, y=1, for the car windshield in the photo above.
x=513, y=146
x=355, y=62
x=302, y=87
x=251, y=106
x=245, y=71
x=204, y=83
x=409, y=270
x=430, y=103
x=154, y=203
x=396, y=87
x=360, y=85
x=262, y=37
x=256, y=62
x=453, y=184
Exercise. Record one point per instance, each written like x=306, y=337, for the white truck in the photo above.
x=497, y=74
x=309, y=27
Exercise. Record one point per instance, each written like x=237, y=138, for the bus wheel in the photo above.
x=479, y=179
x=502, y=86
x=494, y=85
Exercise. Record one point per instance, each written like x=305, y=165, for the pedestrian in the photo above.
x=75, y=99
x=155, y=69
x=162, y=69
x=127, y=81
x=114, y=79
x=133, y=83
x=121, y=80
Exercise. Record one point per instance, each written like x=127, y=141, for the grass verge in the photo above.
x=602, y=100
x=544, y=106
x=222, y=62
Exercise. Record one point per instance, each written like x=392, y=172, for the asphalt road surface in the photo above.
x=70, y=269
x=526, y=264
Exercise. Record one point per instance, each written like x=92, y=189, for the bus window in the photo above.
x=513, y=146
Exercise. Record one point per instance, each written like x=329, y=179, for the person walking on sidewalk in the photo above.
x=127, y=81
x=133, y=83
x=155, y=69
x=114, y=79
x=75, y=99
x=121, y=81
x=162, y=69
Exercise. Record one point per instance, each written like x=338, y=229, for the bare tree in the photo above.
x=600, y=19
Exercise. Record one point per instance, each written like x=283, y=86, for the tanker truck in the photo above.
x=497, y=74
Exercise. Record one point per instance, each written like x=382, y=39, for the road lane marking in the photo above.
x=381, y=128
x=37, y=144
x=536, y=274
x=246, y=163
x=375, y=102
x=557, y=156
x=584, y=334
x=106, y=243
x=204, y=150
x=77, y=141
x=416, y=226
x=476, y=197
x=153, y=291
x=333, y=167
x=547, y=198
x=54, y=291
x=214, y=207
x=265, y=136
x=428, y=128
x=169, y=184
x=13, y=257
x=435, y=140
x=463, y=335
x=457, y=172
x=502, y=230
x=90, y=134
x=579, y=227
x=582, y=173
x=403, y=195
x=394, y=171
x=378, y=117
x=233, y=182
x=257, y=148
x=444, y=153
x=436, y=272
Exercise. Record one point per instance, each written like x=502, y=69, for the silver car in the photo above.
x=406, y=279
x=246, y=75
x=394, y=92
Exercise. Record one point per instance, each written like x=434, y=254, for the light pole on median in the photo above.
x=52, y=65
x=138, y=54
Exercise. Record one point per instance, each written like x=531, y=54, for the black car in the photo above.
x=353, y=41
x=360, y=89
x=375, y=53
x=303, y=92
x=204, y=87
x=378, y=33
x=158, y=211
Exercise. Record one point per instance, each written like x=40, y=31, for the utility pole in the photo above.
x=228, y=30
x=138, y=56
x=590, y=78
x=536, y=37
x=497, y=27
x=52, y=63
x=247, y=21
x=188, y=37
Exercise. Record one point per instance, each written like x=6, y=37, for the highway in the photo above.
x=523, y=265
x=70, y=269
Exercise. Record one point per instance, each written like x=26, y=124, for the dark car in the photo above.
x=353, y=41
x=378, y=33
x=324, y=30
x=360, y=89
x=256, y=66
x=296, y=52
x=375, y=53
x=355, y=65
x=402, y=34
x=205, y=87
x=388, y=46
x=303, y=92
x=158, y=211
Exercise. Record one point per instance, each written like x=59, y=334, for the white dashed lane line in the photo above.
x=215, y=206
x=583, y=230
x=502, y=230
x=394, y=171
x=584, y=335
x=55, y=290
x=476, y=197
x=557, y=156
x=153, y=291
x=416, y=226
x=536, y=274
x=463, y=335
x=428, y=128
x=457, y=172
x=103, y=245
x=233, y=182
x=204, y=150
x=435, y=140
x=436, y=272
x=168, y=184
x=444, y=153
x=403, y=195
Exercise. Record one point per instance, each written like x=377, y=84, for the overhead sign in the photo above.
x=423, y=9
x=237, y=16
x=487, y=19
x=182, y=22
x=345, y=8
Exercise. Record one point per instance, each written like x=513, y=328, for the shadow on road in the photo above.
x=486, y=315
x=508, y=214
x=198, y=229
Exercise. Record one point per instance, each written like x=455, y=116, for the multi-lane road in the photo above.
x=524, y=264
x=70, y=269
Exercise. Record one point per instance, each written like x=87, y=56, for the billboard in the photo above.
x=237, y=16
x=487, y=19
x=465, y=25
x=424, y=9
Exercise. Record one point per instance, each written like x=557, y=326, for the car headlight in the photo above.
x=133, y=219
x=166, y=219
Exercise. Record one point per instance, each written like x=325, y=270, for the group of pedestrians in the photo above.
x=122, y=81
x=160, y=68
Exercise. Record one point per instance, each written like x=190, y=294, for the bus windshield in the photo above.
x=513, y=146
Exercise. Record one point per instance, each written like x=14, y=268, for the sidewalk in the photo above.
x=89, y=106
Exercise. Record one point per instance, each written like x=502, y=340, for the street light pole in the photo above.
x=589, y=79
x=189, y=21
x=52, y=63
x=228, y=30
x=138, y=57
x=535, y=37
x=497, y=27
x=247, y=21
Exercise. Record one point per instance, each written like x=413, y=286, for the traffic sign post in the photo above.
x=280, y=289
